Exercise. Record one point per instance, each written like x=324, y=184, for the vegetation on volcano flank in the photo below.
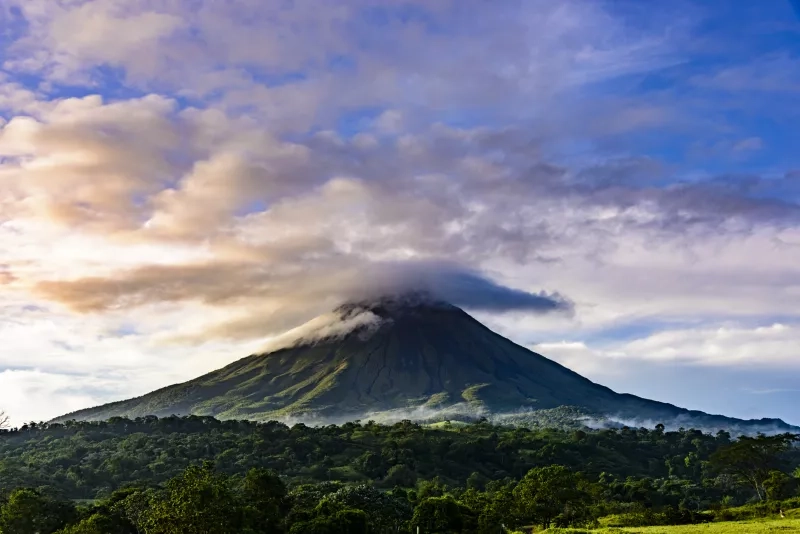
x=402, y=357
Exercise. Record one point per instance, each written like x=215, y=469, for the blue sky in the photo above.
x=182, y=181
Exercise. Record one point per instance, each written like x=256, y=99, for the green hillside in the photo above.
x=416, y=354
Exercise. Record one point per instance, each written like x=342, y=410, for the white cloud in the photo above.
x=35, y=395
x=751, y=144
x=114, y=33
x=326, y=326
x=764, y=347
x=745, y=371
x=251, y=162
x=54, y=362
x=767, y=346
x=576, y=355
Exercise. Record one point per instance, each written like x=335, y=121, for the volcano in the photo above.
x=401, y=354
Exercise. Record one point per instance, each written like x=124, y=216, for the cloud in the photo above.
x=576, y=355
x=268, y=301
x=738, y=369
x=53, y=361
x=441, y=281
x=328, y=326
x=6, y=276
x=295, y=65
x=764, y=347
x=274, y=231
x=761, y=346
x=771, y=391
x=112, y=33
x=84, y=162
x=458, y=286
x=36, y=395
x=774, y=74
x=218, y=173
x=751, y=144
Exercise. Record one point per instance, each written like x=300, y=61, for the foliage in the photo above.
x=383, y=510
x=89, y=460
x=438, y=514
x=200, y=475
x=198, y=501
x=28, y=511
x=265, y=499
x=755, y=460
x=755, y=510
x=345, y=521
x=100, y=523
x=552, y=494
x=203, y=500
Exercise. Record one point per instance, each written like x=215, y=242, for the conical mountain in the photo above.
x=393, y=354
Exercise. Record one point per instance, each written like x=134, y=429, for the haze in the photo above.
x=613, y=184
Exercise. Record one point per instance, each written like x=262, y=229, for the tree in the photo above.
x=132, y=504
x=384, y=511
x=4, y=419
x=778, y=486
x=475, y=481
x=265, y=496
x=547, y=494
x=431, y=488
x=752, y=460
x=29, y=512
x=100, y=523
x=346, y=521
x=400, y=475
x=438, y=514
x=199, y=501
x=492, y=508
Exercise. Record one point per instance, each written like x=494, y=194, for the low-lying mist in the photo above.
x=564, y=417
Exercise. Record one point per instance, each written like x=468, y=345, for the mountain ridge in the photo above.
x=397, y=353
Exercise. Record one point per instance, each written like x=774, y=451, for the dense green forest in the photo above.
x=198, y=474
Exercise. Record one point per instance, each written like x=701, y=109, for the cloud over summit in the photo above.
x=458, y=286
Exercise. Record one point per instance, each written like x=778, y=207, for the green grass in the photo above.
x=437, y=399
x=733, y=527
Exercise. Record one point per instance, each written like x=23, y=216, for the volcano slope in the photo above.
x=410, y=356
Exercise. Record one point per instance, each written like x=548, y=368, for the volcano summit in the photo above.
x=400, y=354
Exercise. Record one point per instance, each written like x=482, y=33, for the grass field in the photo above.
x=734, y=527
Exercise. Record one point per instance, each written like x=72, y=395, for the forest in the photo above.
x=201, y=475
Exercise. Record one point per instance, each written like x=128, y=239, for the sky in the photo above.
x=615, y=184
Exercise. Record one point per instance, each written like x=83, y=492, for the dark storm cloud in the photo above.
x=472, y=291
x=459, y=286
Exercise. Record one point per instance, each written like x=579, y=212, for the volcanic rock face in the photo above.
x=408, y=353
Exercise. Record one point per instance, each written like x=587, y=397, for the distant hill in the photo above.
x=407, y=356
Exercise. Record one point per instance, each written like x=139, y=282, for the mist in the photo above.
x=456, y=284
x=528, y=418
